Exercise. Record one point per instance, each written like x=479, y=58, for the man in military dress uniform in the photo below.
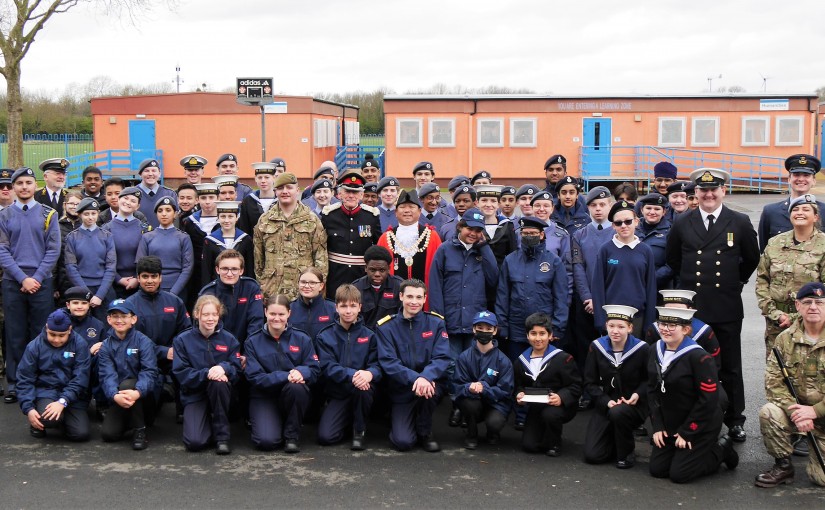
x=714, y=251
x=351, y=228
x=153, y=191
x=53, y=193
x=193, y=168
x=775, y=218
x=288, y=238
x=802, y=347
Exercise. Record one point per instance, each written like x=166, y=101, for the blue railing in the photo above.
x=351, y=156
x=112, y=163
x=37, y=147
x=635, y=163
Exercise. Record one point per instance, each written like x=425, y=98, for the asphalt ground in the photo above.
x=54, y=473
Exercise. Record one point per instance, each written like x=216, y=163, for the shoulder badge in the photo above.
x=385, y=319
x=437, y=315
x=371, y=209
x=331, y=207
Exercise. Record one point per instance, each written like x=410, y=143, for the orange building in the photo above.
x=301, y=130
x=603, y=138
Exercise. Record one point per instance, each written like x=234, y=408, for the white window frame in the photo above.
x=482, y=120
x=800, y=120
x=319, y=134
x=398, y=131
x=693, y=131
x=431, y=131
x=767, y=120
x=533, y=135
x=681, y=143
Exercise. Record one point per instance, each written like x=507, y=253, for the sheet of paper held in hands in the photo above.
x=536, y=399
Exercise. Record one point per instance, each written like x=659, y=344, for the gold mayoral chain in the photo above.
x=408, y=251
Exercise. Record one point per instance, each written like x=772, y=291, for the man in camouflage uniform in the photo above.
x=790, y=260
x=802, y=346
x=288, y=238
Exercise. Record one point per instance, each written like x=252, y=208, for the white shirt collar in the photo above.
x=715, y=214
x=154, y=188
x=632, y=244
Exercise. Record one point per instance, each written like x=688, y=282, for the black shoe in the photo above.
x=585, y=404
x=781, y=472
x=100, y=414
x=627, y=462
x=519, y=426
x=1, y=391
x=291, y=446
x=640, y=431
x=223, y=448
x=455, y=417
x=359, y=441
x=737, y=433
x=429, y=444
x=139, y=439
x=179, y=418
x=729, y=456
x=39, y=434
x=11, y=397
x=554, y=451
x=800, y=446
x=470, y=443
x=493, y=439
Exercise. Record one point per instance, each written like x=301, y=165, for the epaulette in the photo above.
x=331, y=207
x=371, y=209
x=437, y=315
x=167, y=187
x=561, y=232
x=385, y=319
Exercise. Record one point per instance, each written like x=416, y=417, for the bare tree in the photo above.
x=20, y=22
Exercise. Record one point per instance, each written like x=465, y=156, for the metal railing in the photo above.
x=112, y=163
x=37, y=147
x=351, y=156
x=635, y=163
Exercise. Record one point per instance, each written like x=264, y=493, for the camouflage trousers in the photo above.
x=777, y=429
x=772, y=331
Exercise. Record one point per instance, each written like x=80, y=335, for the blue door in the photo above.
x=822, y=142
x=141, y=141
x=596, y=147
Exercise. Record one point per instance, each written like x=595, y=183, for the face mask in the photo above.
x=484, y=337
x=531, y=241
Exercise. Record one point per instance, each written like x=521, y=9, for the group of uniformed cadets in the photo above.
x=547, y=312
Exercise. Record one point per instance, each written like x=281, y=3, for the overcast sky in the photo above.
x=550, y=46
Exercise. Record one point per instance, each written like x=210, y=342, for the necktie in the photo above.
x=151, y=193
x=429, y=216
x=54, y=200
x=710, y=221
x=600, y=227
x=25, y=207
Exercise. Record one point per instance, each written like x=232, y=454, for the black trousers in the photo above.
x=279, y=417
x=341, y=413
x=729, y=335
x=584, y=332
x=74, y=421
x=413, y=419
x=609, y=433
x=683, y=465
x=207, y=419
x=118, y=420
x=543, y=427
x=476, y=410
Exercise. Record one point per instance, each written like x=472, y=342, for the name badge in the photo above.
x=221, y=348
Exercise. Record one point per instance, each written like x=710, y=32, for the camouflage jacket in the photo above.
x=286, y=246
x=784, y=268
x=805, y=360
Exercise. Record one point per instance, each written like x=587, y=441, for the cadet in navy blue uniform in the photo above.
x=549, y=384
x=197, y=226
x=53, y=380
x=171, y=245
x=556, y=238
x=414, y=353
x=324, y=172
x=281, y=364
x=507, y=205
x=227, y=237
x=90, y=258
x=464, y=271
x=499, y=231
x=701, y=332
x=370, y=194
x=775, y=218
x=260, y=200
x=241, y=296
x=207, y=363
x=153, y=191
x=348, y=352
x=625, y=272
x=524, y=195
x=677, y=200
x=664, y=173
x=569, y=211
x=615, y=377
x=90, y=329
x=684, y=407
x=532, y=279
x=127, y=231
x=29, y=248
x=464, y=198
x=310, y=311
x=423, y=173
x=228, y=165
x=652, y=230
x=431, y=213
x=128, y=377
x=388, y=188
x=380, y=290
x=484, y=383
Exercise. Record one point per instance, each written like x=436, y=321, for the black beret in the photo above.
x=527, y=189
x=541, y=195
x=167, y=201
x=567, y=180
x=483, y=174
x=77, y=294
x=621, y=205
x=424, y=165
x=387, y=181
x=371, y=187
x=508, y=190
x=653, y=199
x=226, y=157
x=320, y=183
x=88, y=204
x=677, y=187
x=556, y=159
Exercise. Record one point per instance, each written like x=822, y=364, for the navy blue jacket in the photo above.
x=268, y=361
x=52, y=372
x=161, y=316
x=493, y=370
x=557, y=240
x=130, y=358
x=377, y=304
x=655, y=236
x=244, y=306
x=89, y=328
x=196, y=354
x=459, y=279
x=343, y=352
x=572, y=219
x=583, y=250
x=311, y=317
x=531, y=280
x=606, y=379
x=412, y=348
